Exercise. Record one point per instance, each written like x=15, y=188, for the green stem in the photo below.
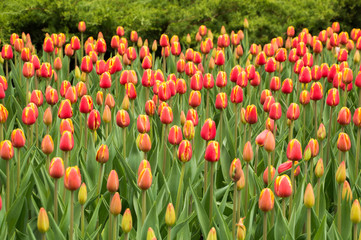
x=308, y=223
x=1, y=132
x=144, y=205
x=100, y=179
x=56, y=200
x=220, y=127
x=211, y=193
x=110, y=229
x=293, y=185
x=126, y=236
x=236, y=129
x=315, y=116
x=124, y=141
x=318, y=197
x=265, y=226
x=290, y=133
x=43, y=236
x=207, y=104
x=169, y=233
x=284, y=207
x=205, y=176
x=82, y=221
x=164, y=148
x=246, y=188
x=339, y=207
x=18, y=169
x=71, y=215
x=235, y=207
x=180, y=188
x=7, y=185
x=357, y=159
x=304, y=125
x=355, y=231
x=269, y=168
x=328, y=137
x=239, y=204
x=306, y=170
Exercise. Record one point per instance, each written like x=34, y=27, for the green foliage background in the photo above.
x=151, y=18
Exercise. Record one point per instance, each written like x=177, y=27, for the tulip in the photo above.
x=65, y=109
x=265, y=203
x=346, y=191
x=127, y=223
x=344, y=116
x=115, y=205
x=7, y=153
x=144, y=183
x=283, y=189
x=212, y=235
x=241, y=230
x=309, y=201
x=82, y=197
x=51, y=96
x=355, y=216
x=343, y=142
x=170, y=217
x=43, y=222
x=72, y=181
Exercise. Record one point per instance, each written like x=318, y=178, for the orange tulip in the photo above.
x=72, y=179
x=266, y=200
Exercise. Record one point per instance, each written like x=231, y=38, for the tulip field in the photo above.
x=216, y=137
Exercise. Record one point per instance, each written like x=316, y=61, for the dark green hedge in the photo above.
x=151, y=18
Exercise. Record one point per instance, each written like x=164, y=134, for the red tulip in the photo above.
x=212, y=153
x=251, y=114
x=283, y=186
x=72, y=179
x=221, y=100
x=266, y=200
x=122, y=118
x=94, y=120
x=29, y=115
x=18, y=138
x=6, y=150
x=66, y=125
x=175, y=135
x=343, y=142
x=344, y=116
x=184, y=151
x=143, y=124
x=293, y=111
x=66, y=141
x=56, y=168
x=294, y=151
x=47, y=145
x=102, y=155
x=143, y=142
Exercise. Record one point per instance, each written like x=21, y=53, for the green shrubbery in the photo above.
x=151, y=18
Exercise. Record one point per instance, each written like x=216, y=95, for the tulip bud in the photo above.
x=144, y=178
x=6, y=150
x=65, y=109
x=170, y=217
x=341, y=173
x=235, y=170
x=241, y=230
x=208, y=131
x=294, y=151
x=212, y=235
x=266, y=200
x=115, y=205
x=166, y=115
x=346, y=191
x=102, y=155
x=184, y=151
x=269, y=142
x=188, y=130
x=56, y=168
x=151, y=234
x=344, y=116
x=82, y=194
x=309, y=197
x=122, y=118
x=319, y=170
x=321, y=132
x=355, y=215
x=343, y=142
x=47, y=145
x=94, y=120
x=283, y=186
x=247, y=152
x=113, y=181
x=265, y=175
x=143, y=142
x=127, y=222
x=18, y=138
x=43, y=221
x=72, y=179
x=212, y=153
